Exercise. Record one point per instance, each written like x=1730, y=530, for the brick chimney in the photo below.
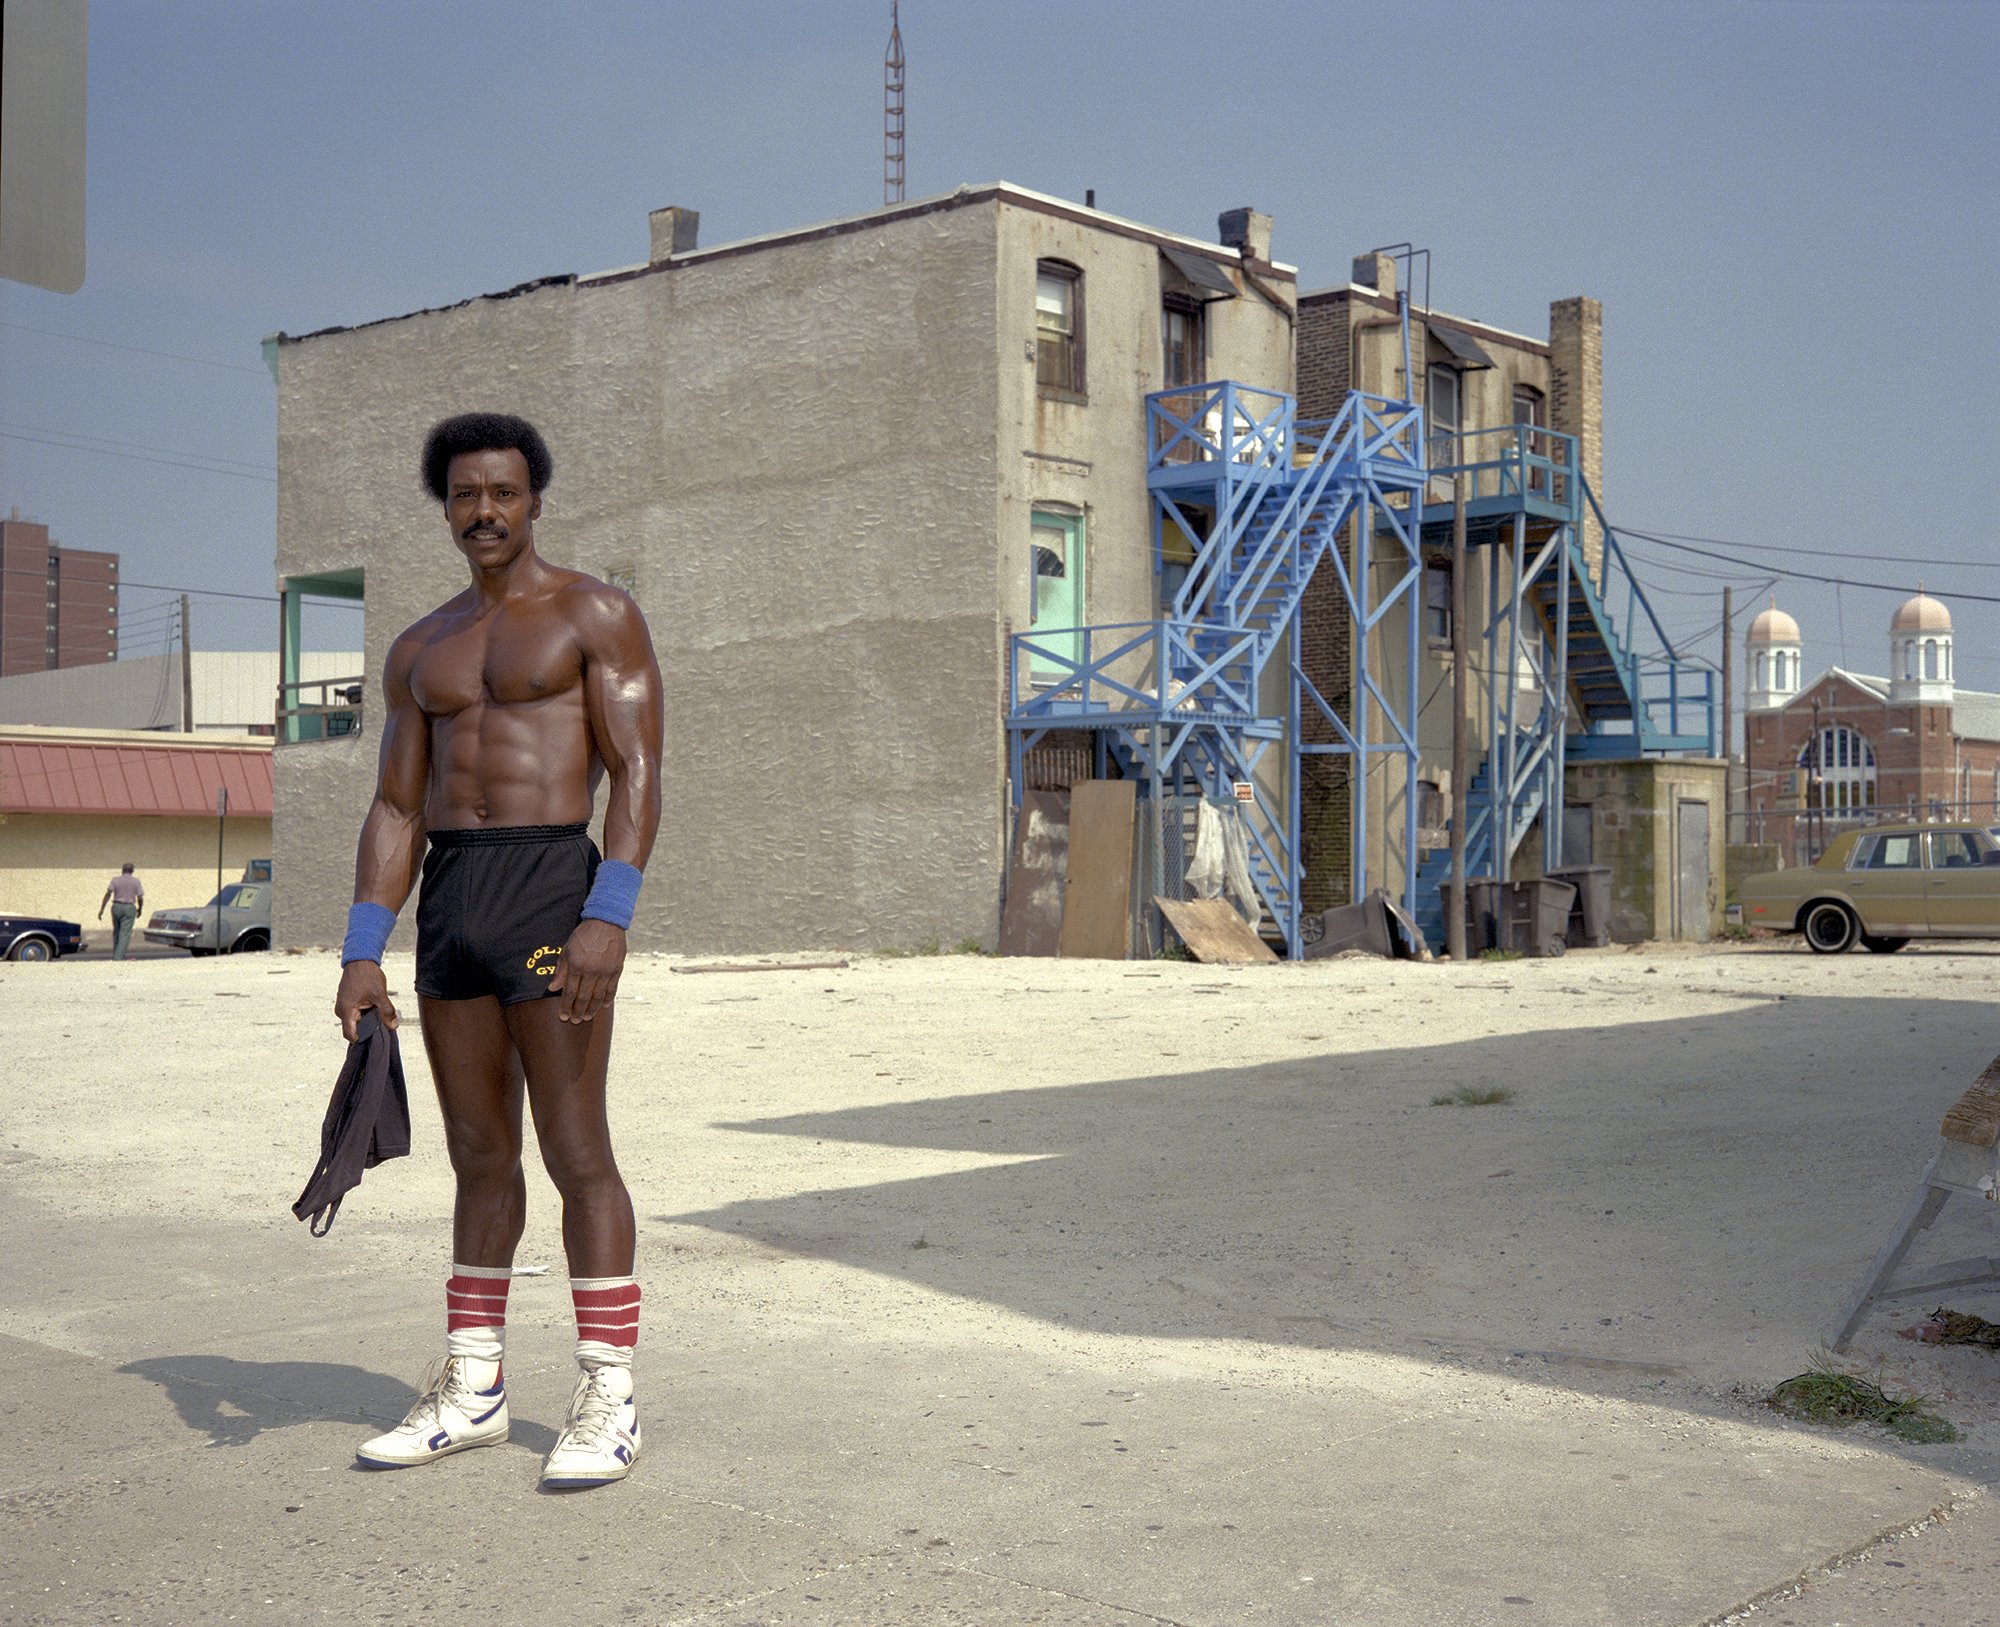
x=1576, y=405
x=1246, y=231
x=674, y=231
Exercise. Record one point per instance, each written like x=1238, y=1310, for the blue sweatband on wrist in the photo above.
x=368, y=929
x=614, y=895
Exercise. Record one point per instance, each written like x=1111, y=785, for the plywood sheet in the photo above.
x=1214, y=933
x=1031, y=923
x=1975, y=1117
x=1097, y=898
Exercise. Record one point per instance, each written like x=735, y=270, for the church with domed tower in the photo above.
x=1855, y=747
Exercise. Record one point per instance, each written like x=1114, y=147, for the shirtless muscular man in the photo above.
x=504, y=709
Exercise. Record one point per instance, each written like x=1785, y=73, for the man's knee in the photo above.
x=581, y=1168
x=479, y=1153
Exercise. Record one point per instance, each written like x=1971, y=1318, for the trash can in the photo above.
x=1537, y=915
x=1482, y=913
x=1590, y=915
x=1362, y=926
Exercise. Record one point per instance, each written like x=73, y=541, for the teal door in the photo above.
x=1058, y=593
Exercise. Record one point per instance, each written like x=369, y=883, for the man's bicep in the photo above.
x=622, y=684
x=404, y=765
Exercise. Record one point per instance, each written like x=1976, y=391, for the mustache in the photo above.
x=483, y=529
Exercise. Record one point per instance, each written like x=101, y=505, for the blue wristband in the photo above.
x=368, y=929
x=614, y=895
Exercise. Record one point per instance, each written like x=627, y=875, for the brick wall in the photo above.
x=1576, y=397
x=1326, y=637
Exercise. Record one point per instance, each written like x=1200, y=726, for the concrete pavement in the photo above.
x=997, y=1292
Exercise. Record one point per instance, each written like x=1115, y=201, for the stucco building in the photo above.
x=234, y=691
x=75, y=804
x=837, y=468
x=1851, y=747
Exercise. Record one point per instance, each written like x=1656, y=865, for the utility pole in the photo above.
x=1728, y=715
x=1454, y=918
x=187, y=673
x=892, y=110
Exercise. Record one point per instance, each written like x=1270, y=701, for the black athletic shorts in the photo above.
x=497, y=906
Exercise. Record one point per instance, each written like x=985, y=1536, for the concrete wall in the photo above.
x=233, y=689
x=58, y=864
x=788, y=455
x=1633, y=831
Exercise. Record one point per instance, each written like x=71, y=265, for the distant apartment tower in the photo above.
x=58, y=606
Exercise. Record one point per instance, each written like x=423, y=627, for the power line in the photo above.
x=1796, y=575
x=140, y=350
x=134, y=446
x=134, y=457
x=1814, y=553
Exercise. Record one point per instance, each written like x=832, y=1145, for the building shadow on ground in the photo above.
x=1694, y=1193
x=233, y=1402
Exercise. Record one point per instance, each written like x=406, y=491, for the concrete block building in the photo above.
x=1851, y=747
x=839, y=469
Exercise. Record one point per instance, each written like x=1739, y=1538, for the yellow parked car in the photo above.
x=1881, y=887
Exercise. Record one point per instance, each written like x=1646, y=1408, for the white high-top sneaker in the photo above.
x=450, y=1416
x=600, y=1443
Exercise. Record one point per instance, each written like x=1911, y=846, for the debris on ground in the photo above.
x=1823, y=1395
x=1948, y=1327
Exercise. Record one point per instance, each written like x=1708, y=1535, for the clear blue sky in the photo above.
x=1788, y=210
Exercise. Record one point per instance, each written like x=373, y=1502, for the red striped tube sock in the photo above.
x=607, y=1319
x=475, y=1301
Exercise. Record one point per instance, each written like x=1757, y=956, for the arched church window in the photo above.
x=1764, y=670
x=1839, y=765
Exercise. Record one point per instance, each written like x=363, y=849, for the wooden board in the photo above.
x=1214, y=933
x=1031, y=924
x=1097, y=896
x=1975, y=1117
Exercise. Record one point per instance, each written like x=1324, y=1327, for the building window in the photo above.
x=1531, y=412
x=1055, y=608
x=1183, y=341
x=1840, y=773
x=1441, y=404
x=1437, y=599
x=1764, y=671
x=1059, y=328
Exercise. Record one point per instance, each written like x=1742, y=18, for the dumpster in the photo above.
x=1363, y=926
x=1590, y=915
x=1535, y=915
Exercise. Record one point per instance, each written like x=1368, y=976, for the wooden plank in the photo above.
x=1214, y=933
x=788, y=966
x=1975, y=1117
x=1097, y=895
x=1031, y=924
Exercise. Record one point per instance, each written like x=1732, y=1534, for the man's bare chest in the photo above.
x=506, y=658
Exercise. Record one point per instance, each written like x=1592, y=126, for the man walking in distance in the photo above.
x=505, y=707
x=125, y=895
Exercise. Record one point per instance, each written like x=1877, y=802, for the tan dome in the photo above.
x=1773, y=626
x=1923, y=614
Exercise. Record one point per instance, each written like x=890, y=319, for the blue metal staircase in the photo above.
x=1181, y=703
x=1614, y=686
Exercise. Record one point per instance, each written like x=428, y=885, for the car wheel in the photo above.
x=249, y=942
x=1831, y=928
x=1881, y=946
x=32, y=949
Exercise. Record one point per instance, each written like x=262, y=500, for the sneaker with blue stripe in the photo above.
x=600, y=1443
x=454, y=1413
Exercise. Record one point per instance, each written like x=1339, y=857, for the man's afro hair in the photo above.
x=484, y=432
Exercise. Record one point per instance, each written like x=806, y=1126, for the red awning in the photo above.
x=121, y=779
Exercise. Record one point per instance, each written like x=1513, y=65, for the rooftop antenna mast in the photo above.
x=892, y=111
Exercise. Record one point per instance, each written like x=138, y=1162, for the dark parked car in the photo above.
x=38, y=937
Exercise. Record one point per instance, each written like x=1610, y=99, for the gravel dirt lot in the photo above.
x=987, y=1291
